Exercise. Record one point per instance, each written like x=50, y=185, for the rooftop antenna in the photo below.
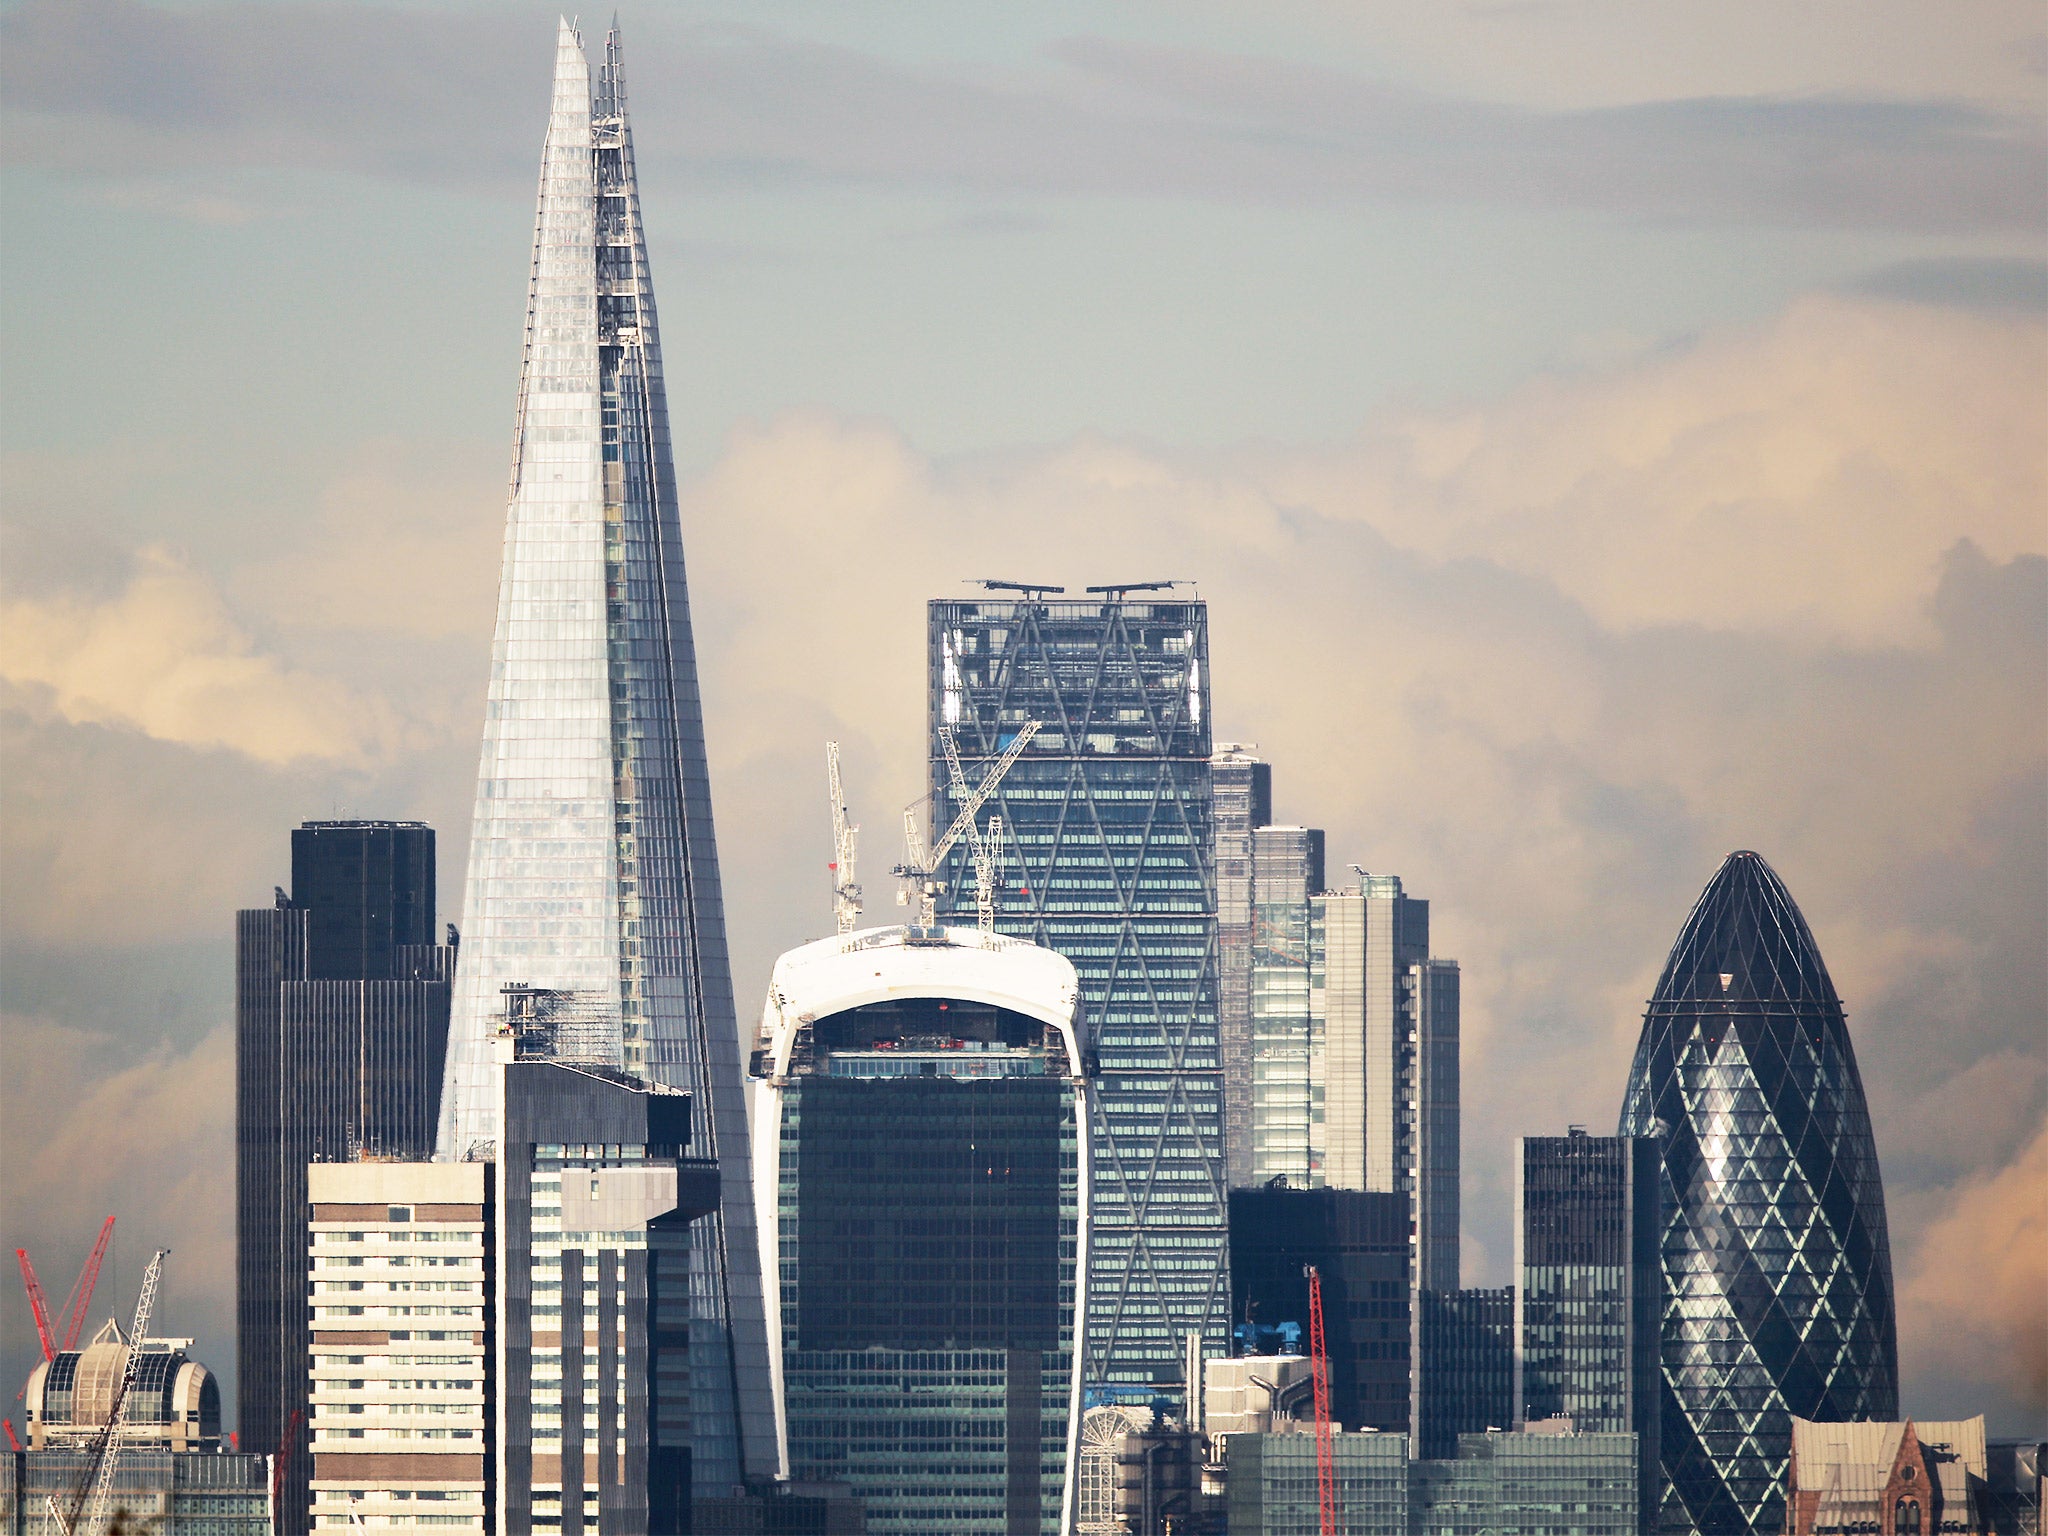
x=1116, y=591
x=1032, y=589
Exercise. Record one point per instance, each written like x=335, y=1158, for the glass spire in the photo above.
x=593, y=870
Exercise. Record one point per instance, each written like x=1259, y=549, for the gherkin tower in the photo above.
x=1777, y=1264
x=593, y=869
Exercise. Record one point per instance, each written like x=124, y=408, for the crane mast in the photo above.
x=96, y=1488
x=281, y=1466
x=845, y=888
x=986, y=868
x=72, y=1318
x=1319, y=1370
x=920, y=863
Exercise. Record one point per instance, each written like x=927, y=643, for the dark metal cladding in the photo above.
x=1778, y=1295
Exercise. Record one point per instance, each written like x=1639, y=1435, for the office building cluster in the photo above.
x=1113, y=1190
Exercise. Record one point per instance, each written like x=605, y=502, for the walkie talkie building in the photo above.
x=922, y=1155
x=1777, y=1265
x=593, y=871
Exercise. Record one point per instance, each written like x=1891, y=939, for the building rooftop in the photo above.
x=881, y=965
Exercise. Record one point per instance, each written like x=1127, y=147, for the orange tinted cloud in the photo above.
x=1973, y=1295
x=166, y=658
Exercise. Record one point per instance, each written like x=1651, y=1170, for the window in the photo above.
x=401, y=1213
x=1906, y=1518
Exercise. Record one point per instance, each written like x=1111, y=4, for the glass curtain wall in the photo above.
x=1108, y=825
x=593, y=869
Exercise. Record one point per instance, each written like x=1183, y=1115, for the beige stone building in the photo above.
x=401, y=1376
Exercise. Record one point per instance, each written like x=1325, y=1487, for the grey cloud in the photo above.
x=1805, y=161
x=118, y=88
x=2010, y=283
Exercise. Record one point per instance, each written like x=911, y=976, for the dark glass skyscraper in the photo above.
x=593, y=868
x=1358, y=1241
x=1108, y=812
x=1464, y=1354
x=921, y=1117
x=1589, y=1287
x=1777, y=1263
x=341, y=1023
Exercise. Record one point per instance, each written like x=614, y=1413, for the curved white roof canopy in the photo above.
x=878, y=965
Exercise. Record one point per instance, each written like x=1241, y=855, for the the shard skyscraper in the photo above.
x=593, y=871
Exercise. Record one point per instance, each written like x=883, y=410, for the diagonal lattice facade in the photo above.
x=1777, y=1264
x=1107, y=818
x=593, y=869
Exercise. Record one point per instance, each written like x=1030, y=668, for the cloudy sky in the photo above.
x=1607, y=436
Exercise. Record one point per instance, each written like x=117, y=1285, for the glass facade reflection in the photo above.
x=1777, y=1267
x=1241, y=797
x=1590, y=1293
x=1464, y=1376
x=1108, y=812
x=1287, y=1067
x=921, y=1113
x=593, y=870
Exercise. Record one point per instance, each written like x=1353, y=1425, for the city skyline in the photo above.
x=1648, y=580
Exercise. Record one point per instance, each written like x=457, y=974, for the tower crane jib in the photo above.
x=921, y=864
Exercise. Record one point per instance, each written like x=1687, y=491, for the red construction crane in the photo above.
x=36, y=1304
x=1319, y=1369
x=283, y=1463
x=72, y=1319
x=79, y=1302
x=11, y=1440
